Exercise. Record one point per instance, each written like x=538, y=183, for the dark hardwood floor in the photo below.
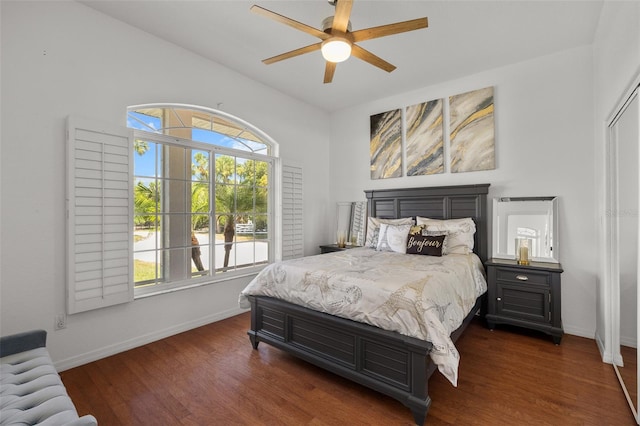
x=212, y=376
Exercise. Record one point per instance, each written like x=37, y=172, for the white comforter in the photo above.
x=419, y=296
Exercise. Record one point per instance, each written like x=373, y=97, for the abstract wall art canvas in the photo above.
x=472, y=134
x=386, y=144
x=424, y=144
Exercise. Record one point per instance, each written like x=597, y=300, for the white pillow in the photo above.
x=393, y=238
x=459, y=233
x=373, y=228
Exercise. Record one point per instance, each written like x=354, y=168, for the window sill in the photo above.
x=142, y=293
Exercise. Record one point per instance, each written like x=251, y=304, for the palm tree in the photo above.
x=200, y=166
x=146, y=199
x=200, y=190
x=252, y=191
x=140, y=146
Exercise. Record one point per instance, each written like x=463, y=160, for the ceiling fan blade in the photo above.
x=385, y=30
x=374, y=60
x=293, y=53
x=290, y=22
x=329, y=70
x=341, y=18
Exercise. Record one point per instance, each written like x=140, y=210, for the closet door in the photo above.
x=625, y=138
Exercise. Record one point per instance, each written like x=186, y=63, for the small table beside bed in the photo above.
x=375, y=315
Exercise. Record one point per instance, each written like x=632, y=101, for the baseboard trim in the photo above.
x=606, y=356
x=106, y=351
x=581, y=332
x=628, y=341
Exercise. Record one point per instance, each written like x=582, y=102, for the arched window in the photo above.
x=203, y=198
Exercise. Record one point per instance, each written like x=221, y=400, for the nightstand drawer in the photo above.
x=523, y=276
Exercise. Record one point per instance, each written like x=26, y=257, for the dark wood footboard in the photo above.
x=393, y=364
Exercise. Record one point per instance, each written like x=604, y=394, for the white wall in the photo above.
x=544, y=147
x=616, y=65
x=62, y=58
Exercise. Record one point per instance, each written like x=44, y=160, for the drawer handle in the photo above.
x=522, y=277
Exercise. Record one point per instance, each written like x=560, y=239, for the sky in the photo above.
x=145, y=165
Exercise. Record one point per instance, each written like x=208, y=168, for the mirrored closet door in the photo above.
x=625, y=189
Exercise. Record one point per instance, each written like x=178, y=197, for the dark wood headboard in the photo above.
x=436, y=202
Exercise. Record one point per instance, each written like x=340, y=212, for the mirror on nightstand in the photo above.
x=533, y=218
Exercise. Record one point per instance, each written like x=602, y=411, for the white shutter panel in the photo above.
x=292, y=213
x=99, y=215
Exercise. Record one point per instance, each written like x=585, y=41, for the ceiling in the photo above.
x=463, y=38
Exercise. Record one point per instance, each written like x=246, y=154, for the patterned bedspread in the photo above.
x=420, y=296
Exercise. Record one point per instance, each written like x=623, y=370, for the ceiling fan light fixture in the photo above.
x=336, y=49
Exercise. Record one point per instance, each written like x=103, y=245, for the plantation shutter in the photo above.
x=292, y=213
x=99, y=215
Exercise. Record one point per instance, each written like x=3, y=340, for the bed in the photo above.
x=390, y=362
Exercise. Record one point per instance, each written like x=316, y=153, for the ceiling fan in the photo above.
x=338, y=41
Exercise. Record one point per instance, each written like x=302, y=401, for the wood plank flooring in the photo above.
x=212, y=376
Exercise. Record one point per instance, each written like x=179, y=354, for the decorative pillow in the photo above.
x=422, y=230
x=373, y=226
x=393, y=238
x=374, y=238
x=459, y=233
x=417, y=229
x=445, y=245
x=430, y=245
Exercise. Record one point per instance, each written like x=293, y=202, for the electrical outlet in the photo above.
x=60, y=321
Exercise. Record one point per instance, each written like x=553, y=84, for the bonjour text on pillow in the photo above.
x=430, y=245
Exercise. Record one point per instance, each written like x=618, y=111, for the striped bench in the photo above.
x=31, y=391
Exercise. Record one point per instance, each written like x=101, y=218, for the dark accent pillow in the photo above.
x=430, y=245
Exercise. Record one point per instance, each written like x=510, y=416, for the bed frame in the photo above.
x=388, y=362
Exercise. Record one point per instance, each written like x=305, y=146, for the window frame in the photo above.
x=273, y=216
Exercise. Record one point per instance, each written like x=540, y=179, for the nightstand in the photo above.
x=525, y=296
x=329, y=248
